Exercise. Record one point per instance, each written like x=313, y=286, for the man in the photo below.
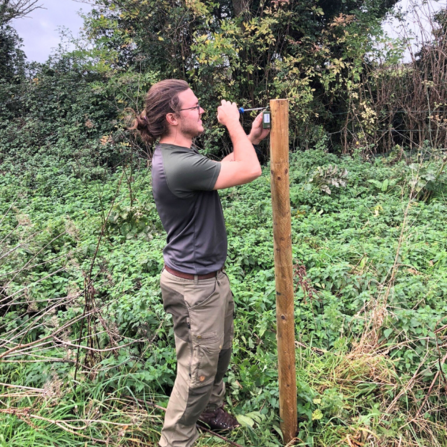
x=195, y=289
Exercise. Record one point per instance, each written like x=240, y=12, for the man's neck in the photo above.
x=177, y=140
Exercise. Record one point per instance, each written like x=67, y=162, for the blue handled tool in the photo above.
x=242, y=110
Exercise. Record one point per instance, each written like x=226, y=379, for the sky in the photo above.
x=417, y=25
x=40, y=31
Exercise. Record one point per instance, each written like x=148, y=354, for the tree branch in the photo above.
x=16, y=9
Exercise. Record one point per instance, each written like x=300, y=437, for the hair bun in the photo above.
x=162, y=98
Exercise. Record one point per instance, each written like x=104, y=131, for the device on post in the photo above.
x=266, y=118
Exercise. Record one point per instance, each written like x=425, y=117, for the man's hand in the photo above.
x=228, y=113
x=257, y=133
x=245, y=166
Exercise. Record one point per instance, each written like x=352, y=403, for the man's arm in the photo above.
x=257, y=134
x=245, y=166
x=229, y=157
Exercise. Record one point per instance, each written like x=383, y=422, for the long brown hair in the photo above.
x=162, y=98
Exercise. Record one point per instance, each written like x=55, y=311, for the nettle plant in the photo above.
x=329, y=176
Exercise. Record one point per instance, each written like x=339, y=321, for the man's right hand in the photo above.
x=228, y=113
x=245, y=166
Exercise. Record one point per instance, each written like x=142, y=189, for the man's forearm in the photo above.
x=230, y=157
x=243, y=147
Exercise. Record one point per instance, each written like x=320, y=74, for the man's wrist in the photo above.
x=232, y=124
x=254, y=141
x=236, y=131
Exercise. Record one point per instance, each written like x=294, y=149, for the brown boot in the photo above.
x=218, y=420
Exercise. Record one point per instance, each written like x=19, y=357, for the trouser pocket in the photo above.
x=204, y=364
x=204, y=361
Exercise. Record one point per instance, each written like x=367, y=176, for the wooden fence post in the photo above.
x=282, y=236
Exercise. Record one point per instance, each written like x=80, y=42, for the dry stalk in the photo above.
x=369, y=340
x=431, y=386
x=36, y=342
x=35, y=255
x=9, y=337
x=300, y=275
x=8, y=385
x=405, y=389
x=33, y=284
x=89, y=296
x=97, y=350
x=406, y=101
x=25, y=415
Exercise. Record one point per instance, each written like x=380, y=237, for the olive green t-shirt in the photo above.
x=189, y=209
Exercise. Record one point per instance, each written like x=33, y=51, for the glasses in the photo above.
x=191, y=108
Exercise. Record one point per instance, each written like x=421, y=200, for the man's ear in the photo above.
x=171, y=119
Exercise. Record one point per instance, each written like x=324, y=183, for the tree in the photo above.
x=249, y=51
x=16, y=9
x=12, y=58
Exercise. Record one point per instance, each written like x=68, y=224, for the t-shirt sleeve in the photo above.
x=192, y=172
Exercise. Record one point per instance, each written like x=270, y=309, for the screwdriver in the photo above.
x=242, y=110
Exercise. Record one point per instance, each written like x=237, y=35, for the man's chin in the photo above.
x=195, y=133
x=199, y=131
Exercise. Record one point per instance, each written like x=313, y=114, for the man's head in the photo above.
x=171, y=109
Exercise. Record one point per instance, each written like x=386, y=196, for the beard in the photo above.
x=192, y=129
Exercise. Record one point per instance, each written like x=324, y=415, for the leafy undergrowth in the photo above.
x=86, y=349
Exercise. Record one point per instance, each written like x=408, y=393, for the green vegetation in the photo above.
x=86, y=350
x=80, y=266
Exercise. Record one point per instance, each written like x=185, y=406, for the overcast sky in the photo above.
x=417, y=25
x=40, y=31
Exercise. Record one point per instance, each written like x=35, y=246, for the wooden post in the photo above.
x=282, y=236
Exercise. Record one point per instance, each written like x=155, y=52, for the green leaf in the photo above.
x=317, y=415
x=245, y=421
x=387, y=332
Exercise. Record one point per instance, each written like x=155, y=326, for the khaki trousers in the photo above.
x=202, y=312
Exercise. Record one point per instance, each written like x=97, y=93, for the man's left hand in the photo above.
x=257, y=133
